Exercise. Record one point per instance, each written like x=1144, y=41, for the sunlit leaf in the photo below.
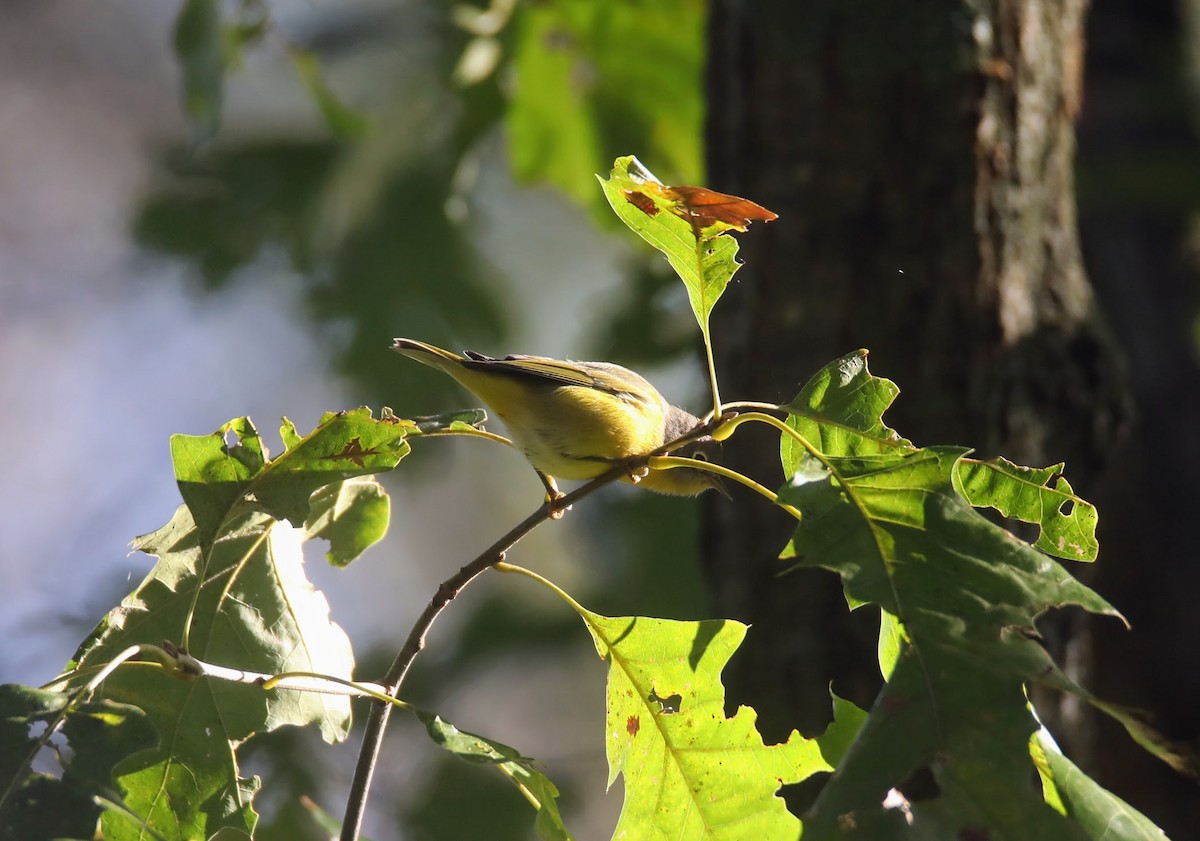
x=255, y=610
x=690, y=772
x=848, y=720
x=891, y=642
x=213, y=473
x=229, y=588
x=840, y=412
x=219, y=479
x=704, y=263
x=1038, y=495
x=352, y=515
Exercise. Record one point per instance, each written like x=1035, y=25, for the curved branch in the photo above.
x=377, y=720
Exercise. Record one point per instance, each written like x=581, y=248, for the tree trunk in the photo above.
x=921, y=159
x=1139, y=172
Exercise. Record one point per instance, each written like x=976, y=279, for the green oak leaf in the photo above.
x=220, y=480
x=1038, y=495
x=690, y=772
x=956, y=733
x=840, y=412
x=352, y=515
x=245, y=603
x=968, y=594
x=100, y=733
x=706, y=264
x=532, y=783
x=1101, y=814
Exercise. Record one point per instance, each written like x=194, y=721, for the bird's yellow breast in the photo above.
x=572, y=432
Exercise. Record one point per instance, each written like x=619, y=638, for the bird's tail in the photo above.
x=429, y=355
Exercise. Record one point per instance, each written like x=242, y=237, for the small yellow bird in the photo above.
x=577, y=420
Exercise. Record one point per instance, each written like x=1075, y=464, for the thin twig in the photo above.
x=446, y=592
x=377, y=719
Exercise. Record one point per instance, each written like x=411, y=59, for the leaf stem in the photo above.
x=712, y=376
x=182, y=664
x=727, y=428
x=472, y=433
x=66, y=678
x=313, y=682
x=521, y=787
x=753, y=404
x=113, y=664
x=545, y=582
x=667, y=462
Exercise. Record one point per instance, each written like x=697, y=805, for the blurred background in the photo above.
x=177, y=250
x=158, y=275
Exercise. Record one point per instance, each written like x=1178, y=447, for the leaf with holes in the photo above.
x=690, y=772
x=1038, y=495
x=705, y=258
x=220, y=480
x=967, y=593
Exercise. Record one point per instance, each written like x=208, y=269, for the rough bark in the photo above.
x=920, y=156
x=1139, y=174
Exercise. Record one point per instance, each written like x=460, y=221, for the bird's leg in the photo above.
x=553, y=495
x=636, y=471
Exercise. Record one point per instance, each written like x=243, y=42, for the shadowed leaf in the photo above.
x=100, y=734
x=533, y=784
